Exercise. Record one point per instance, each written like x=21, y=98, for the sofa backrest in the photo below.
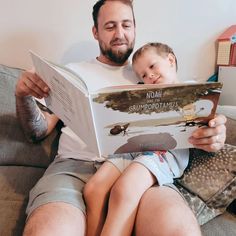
x=14, y=148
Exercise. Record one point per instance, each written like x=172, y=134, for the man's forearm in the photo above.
x=31, y=118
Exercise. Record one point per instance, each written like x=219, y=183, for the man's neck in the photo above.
x=107, y=61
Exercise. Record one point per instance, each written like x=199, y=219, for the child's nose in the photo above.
x=151, y=76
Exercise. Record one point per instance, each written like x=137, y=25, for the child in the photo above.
x=127, y=176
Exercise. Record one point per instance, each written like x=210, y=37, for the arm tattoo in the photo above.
x=31, y=118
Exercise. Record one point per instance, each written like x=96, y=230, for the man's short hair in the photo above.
x=100, y=3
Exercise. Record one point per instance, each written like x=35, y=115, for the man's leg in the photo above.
x=56, y=219
x=56, y=205
x=162, y=211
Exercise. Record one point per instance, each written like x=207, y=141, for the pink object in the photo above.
x=228, y=34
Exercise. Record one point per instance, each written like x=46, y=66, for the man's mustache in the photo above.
x=118, y=41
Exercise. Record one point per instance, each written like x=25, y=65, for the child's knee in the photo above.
x=93, y=189
x=90, y=190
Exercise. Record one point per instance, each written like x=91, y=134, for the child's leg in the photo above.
x=96, y=193
x=124, y=199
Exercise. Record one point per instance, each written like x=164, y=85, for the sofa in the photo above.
x=22, y=163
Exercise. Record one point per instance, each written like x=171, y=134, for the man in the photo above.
x=56, y=205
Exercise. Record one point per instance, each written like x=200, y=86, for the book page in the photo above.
x=71, y=76
x=70, y=103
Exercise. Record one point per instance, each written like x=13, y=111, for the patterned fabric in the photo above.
x=209, y=182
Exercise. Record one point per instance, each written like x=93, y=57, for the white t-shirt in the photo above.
x=96, y=75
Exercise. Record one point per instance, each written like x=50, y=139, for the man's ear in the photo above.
x=95, y=32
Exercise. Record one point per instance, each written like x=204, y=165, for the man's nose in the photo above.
x=119, y=33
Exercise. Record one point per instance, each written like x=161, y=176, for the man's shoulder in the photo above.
x=80, y=64
x=107, y=75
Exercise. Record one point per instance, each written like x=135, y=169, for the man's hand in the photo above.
x=31, y=84
x=211, y=138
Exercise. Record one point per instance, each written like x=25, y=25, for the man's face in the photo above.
x=115, y=32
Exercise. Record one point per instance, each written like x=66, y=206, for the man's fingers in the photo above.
x=33, y=91
x=208, y=140
x=205, y=132
x=35, y=85
x=218, y=120
x=210, y=148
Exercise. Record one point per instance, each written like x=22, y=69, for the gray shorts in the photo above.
x=64, y=181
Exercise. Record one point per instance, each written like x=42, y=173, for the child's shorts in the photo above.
x=164, y=165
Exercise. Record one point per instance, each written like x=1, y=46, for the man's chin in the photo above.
x=119, y=56
x=119, y=51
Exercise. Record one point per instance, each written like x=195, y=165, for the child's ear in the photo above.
x=172, y=59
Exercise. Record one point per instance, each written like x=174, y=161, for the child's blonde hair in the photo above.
x=160, y=48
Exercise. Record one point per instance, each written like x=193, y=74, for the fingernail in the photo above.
x=45, y=89
x=212, y=124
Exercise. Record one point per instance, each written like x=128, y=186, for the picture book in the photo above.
x=128, y=118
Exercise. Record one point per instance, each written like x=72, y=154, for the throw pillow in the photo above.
x=209, y=182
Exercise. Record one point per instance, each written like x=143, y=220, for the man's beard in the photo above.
x=119, y=57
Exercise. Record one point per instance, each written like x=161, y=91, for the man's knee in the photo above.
x=55, y=219
x=165, y=212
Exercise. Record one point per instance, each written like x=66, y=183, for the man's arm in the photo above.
x=35, y=123
x=211, y=138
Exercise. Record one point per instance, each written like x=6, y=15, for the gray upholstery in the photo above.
x=14, y=146
x=22, y=164
x=15, y=183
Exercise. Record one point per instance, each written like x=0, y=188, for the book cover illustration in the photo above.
x=152, y=118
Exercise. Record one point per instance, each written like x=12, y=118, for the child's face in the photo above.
x=155, y=69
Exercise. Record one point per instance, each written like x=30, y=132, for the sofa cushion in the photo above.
x=14, y=148
x=223, y=225
x=15, y=184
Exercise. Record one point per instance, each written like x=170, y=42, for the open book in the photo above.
x=130, y=118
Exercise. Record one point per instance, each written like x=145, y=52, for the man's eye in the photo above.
x=151, y=66
x=127, y=26
x=109, y=27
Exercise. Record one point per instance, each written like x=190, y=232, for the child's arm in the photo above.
x=96, y=193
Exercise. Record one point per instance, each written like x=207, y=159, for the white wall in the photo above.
x=61, y=30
